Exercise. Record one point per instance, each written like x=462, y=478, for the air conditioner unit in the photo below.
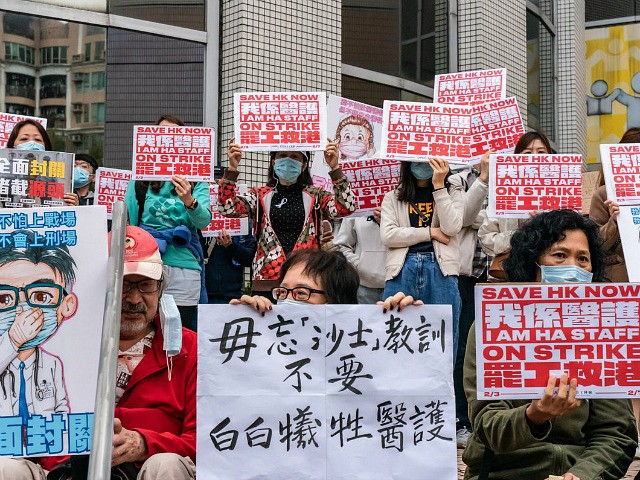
x=77, y=58
x=76, y=138
x=77, y=108
x=77, y=77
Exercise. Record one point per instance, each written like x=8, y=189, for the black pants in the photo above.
x=77, y=468
x=189, y=316
x=467, y=316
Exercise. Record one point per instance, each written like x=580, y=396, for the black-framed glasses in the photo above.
x=147, y=285
x=37, y=295
x=298, y=293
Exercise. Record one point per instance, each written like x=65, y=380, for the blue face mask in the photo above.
x=564, y=274
x=50, y=325
x=80, y=177
x=30, y=145
x=287, y=169
x=421, y=170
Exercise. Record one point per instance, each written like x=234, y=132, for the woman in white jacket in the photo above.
x=419, y=225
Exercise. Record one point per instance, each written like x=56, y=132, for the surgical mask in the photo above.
x=564, y=274
x=50, y=325
x=421, y=170
x=80, y=177
x=287, y=169
x=352, y=149
x=171, y=325
x=30, y=145
x=291, y=301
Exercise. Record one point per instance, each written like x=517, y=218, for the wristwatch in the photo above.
x=193, y=205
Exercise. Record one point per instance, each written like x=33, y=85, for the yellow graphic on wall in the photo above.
x=613, y=84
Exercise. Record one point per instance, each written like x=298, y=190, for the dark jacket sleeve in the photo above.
x=242, y=251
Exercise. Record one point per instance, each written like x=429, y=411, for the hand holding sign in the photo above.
x=234, y=154
x=551, y=405
x=614, y=208
x=183, y=189
x=331, y=154
x=484, y=167
x=440, y=169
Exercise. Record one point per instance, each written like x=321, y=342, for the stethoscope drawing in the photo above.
x=40, y=393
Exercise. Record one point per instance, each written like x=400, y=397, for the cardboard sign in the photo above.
x=234, y=226
x=589, y=187
x=111, y=185
x=329, y=391
x=9, y=120
x=68, y=284
x=470, y=88
x=31, y=178
x=280, y=121
x=629, y=228
x=417, y=131
x=525, y=333
x=159, y=152
x=357, y=131
x=524, y=184
x=621, y=167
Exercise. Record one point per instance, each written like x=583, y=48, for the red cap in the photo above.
x=141, y=254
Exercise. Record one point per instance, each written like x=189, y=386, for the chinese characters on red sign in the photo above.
x=8, y=121
x=234, y=226
x=621, y=166
x=470, y=88
x=111, y=185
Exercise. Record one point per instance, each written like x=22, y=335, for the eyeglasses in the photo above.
x=37, y=295
x=143, y=286
x=298, y=293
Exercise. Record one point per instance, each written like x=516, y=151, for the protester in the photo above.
x=173, y=212
x=473, y=269
x=419, y=225
x=287, y=212
x=495, y=233
x=359, y=240
x=557, y=434
x=30, y=135
x=84, y=177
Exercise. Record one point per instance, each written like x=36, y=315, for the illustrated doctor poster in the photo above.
x=53, y=280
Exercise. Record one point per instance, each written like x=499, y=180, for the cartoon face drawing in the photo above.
x=355, y=138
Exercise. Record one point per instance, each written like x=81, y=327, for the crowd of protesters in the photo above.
x=429, y=242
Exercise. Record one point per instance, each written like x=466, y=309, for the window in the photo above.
x=417, y=36
x=55, y=115
x=540, y=81
x=53, y=55
x=97, y=112
x=19, y=85
x=17, y=109
x=99, y=51
x=19, y=53
x=87, y=52
x=53, y=86
x=98, y=81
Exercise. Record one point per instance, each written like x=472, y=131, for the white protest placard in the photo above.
x=470, y=88
x=357, y=131
x=621, y=167
x=280, y=121
x=9, y=120
x=110, y=187
x=524, y=184
x=31, y=178
x=629, y=228
x=234, y=226
x=58, y=258
x=161, y=151
x=525, y=333
x=329, y=391
x=460, y=133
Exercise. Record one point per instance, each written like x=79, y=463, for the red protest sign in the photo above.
x=523, y=184
x=235, y=226
x=525, y=333
x=110, y=187
x=470, y=88
x=280, y=121
x=9, y=120
x=159, y=152
x=621, y=167
x=370, y=180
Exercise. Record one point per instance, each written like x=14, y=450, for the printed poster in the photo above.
x=356, y=127
x=629, y=228
x=329, y=391
x=470, y=88
x=9, y=120
x=159, y=152
x=621, y=167
x=525, y=333
x=524, y=184
x=53, y=267
x=280, y=121
x=235, y=226
x=30, y=178
x=460, y=133
x=110, y=187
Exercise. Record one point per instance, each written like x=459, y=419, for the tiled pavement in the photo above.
x=631, y=474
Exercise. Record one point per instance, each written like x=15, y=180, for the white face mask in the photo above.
x=290, y=301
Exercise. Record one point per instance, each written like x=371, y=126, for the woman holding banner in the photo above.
x=287, y=212
x=419, y=225
x=556, y=434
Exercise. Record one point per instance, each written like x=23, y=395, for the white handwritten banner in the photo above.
x=629, y=228
x=470, y=88
x=234, y=226
x=524, y=184
x=525, y=333
x=331, y=392
x=111, y=185
x=621, y=167
x=66, y=283
x=9, y=120
x=280, y=121
x=159, y=152
x=461, y=133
